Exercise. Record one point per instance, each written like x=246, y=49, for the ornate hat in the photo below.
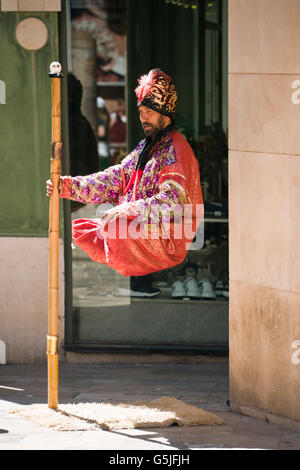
x=157, y=91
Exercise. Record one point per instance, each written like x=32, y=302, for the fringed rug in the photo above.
x=163, y=412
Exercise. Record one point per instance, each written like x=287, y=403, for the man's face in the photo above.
x=152, y=121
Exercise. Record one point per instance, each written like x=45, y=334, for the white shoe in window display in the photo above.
x=178, y=291
x=147, y=292
x=207, y=290
x=219, y=288
x=144, y=293
x=191, y=288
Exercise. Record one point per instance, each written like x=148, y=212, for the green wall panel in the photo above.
x=25, y=131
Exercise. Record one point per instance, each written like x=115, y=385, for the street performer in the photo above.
x=150, y=188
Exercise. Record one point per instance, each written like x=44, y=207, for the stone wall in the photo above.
x=264, y=203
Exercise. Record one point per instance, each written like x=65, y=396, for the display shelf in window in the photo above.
x=216, y=219
x=111, y=84
x=118, y=144
x=215, y=212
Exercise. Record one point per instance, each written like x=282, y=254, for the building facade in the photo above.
x=263, y=186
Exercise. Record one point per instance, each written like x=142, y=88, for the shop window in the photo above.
x=109, y=52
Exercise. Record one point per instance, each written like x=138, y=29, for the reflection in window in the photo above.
x=212, y=9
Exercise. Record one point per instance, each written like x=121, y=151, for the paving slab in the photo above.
x=203, y=385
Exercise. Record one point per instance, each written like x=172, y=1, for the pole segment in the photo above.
x=55, y=172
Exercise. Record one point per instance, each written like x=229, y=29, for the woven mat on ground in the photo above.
x=163, y=412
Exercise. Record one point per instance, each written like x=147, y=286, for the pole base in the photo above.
x=53, y=381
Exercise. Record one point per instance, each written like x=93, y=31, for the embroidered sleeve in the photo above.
x=165, y=206
x=102, y=187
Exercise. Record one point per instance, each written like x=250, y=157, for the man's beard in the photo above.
x=151, y=130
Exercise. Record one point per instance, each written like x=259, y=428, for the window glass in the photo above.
x=110, y=49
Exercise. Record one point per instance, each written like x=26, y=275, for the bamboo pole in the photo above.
x=55, y=171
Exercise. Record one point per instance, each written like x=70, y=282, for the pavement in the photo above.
x=201, y=384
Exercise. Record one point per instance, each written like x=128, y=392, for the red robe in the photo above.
x=146, y=231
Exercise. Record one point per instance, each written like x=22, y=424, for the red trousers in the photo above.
x=123, y=247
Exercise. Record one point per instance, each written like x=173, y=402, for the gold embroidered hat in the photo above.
x=157, y=91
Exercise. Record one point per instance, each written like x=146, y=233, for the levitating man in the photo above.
x=156, y=190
